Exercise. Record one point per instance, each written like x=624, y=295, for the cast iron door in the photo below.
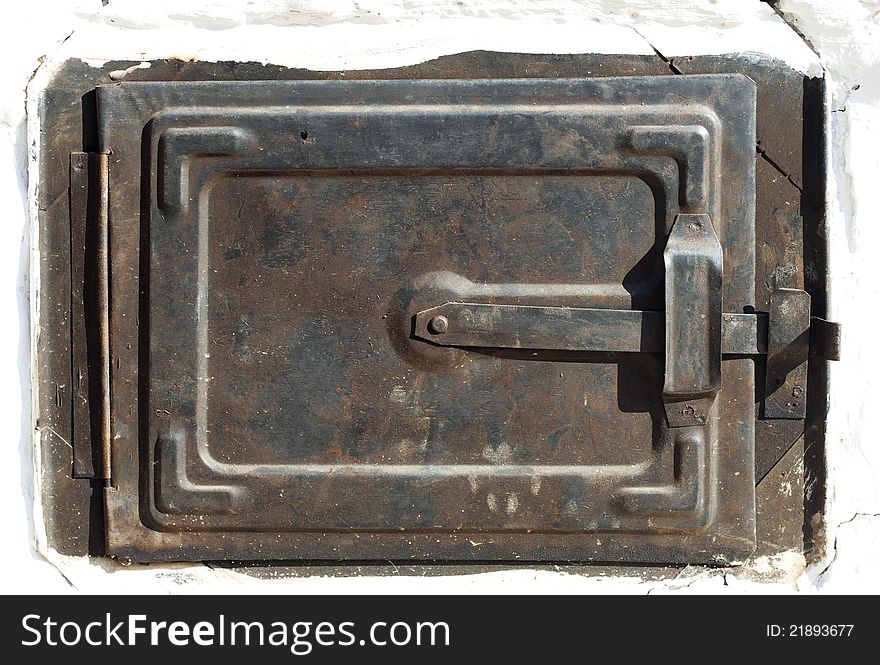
x=490, y=319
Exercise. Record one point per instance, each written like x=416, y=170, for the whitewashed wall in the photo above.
x=842, y=37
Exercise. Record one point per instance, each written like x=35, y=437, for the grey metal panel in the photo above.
x=298, y=215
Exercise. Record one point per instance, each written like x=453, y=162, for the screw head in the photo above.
x=438, y=325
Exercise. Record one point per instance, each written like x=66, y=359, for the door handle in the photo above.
x=693, y=332
x=694, y=264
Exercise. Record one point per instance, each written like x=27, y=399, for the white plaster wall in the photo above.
x=844, y=39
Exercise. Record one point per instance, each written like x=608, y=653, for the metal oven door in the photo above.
x=485, y=319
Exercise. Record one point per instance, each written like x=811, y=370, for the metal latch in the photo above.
x=693, y=332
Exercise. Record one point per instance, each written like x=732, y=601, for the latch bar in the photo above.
x=464, y=324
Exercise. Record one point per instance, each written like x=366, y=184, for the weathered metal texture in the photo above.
x=289, y=234
x=789, y=195
x=73, y=517
x=791, y=237
x=467, y=324
x=780, y=501
x=86, y=459
x=90, y=343
x=693, y=260
x=788, y=349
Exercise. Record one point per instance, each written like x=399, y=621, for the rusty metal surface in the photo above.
x=788, y=349
x=693, y=260
x=289, y=240
x=67, y=110
x=468, y=324
x=791, y=251
x=780, y=502
x=73, y=507
x=85, y=458
x=90, y=337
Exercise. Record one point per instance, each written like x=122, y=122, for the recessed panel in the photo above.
x=305, y=275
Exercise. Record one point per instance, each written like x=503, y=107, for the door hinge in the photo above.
x=89, y=302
